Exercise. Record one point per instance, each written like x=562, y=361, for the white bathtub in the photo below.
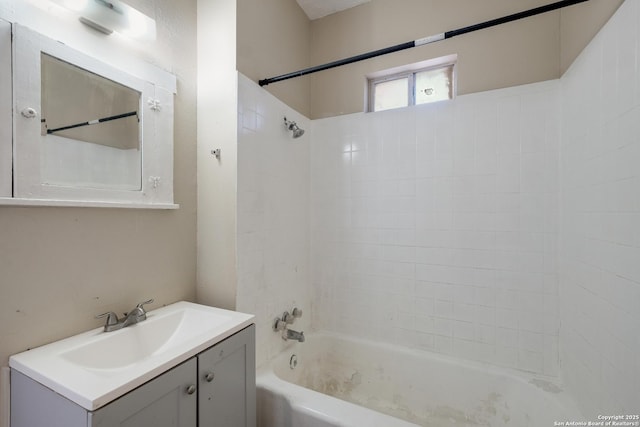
x=349, y=382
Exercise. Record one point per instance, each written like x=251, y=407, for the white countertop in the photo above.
x=65, y=366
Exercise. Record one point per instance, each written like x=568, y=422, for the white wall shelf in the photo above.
x=5, y=201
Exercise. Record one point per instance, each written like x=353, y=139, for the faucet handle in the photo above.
x=112, y=318
x=296, y=312
x=279, y=324
x=144, y=303
x=287, y=318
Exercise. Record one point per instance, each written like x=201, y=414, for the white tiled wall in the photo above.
x=600, y=274
x=436, y=226
x=273, y=215
x=450, y=227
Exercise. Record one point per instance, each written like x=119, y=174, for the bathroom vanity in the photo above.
x=194, y=366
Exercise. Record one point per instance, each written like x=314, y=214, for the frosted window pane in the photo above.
x=391, y=94
x=434, y=85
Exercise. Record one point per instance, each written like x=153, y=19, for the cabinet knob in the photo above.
x=209, y=377
x=191, y=389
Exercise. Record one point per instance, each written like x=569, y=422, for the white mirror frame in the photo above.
x=28, y=142
x=6, y=128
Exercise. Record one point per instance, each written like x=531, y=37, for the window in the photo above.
x=412, y=85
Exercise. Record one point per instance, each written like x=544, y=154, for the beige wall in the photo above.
x=217, y=129
x=274, y=39
x=259, y=38
x=516, y=53
x=579, y=24
x=59, y=267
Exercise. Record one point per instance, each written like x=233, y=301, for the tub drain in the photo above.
x=293, y=362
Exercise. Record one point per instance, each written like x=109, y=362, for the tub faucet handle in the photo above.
x=288, y=318
x=279, y=324
x=296, y=312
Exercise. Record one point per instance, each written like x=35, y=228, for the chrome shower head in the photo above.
x=297, y=132
x=292, y=126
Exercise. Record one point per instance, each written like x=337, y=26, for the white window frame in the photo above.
x=409, y=72
x=410, y=88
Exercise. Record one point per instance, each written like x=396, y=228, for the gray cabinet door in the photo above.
x=227, y=382
x=34, y=405
x=165, y=401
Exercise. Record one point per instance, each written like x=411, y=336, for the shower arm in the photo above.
x=423, y=41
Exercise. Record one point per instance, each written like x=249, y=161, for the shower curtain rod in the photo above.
x=423, y=41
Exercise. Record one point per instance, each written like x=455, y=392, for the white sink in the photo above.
x=97, y=367
x=161, y=332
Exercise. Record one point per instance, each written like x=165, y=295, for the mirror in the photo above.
x=93, y=121
x=84, y=106
x=88, y=132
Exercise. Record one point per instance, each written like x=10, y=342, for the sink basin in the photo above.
x=130, y=345
x=97, y=367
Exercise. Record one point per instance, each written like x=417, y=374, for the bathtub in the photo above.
x=337, y=381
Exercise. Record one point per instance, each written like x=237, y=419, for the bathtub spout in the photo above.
x=293, y=335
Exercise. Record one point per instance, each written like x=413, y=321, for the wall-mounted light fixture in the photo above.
x=108, y=16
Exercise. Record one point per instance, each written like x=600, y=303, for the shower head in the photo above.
x=292, y=126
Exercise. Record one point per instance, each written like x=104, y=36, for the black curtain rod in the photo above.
x=93, y=122
x=423, y=41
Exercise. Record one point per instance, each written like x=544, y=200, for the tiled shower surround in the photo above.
x=273, y=215
x=502, y=227
x=600, y=255
x=436, y=226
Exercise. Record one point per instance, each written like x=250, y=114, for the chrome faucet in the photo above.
x=138, y=314
x=294, y=335
x=282, y=324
